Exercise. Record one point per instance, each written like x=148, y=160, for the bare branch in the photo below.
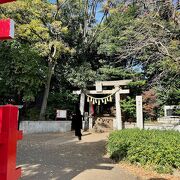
x=37, y=34
x=54, y=53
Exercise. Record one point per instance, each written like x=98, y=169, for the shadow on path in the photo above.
x=61, y=156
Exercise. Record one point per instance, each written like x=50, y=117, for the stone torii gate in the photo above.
x=117, y=89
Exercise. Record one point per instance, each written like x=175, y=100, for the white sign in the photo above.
x=61, y=114
x=98, y=86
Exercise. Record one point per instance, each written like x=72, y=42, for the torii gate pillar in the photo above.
x=118, y=122
x=82, y=103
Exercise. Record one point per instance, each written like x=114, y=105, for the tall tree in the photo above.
x=39, y=25
x=147, y=41
x=84, y=27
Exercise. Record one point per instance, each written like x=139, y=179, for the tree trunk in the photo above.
x=46, y=92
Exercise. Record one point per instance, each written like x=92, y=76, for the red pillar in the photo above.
x=8, y=121
x=8, y=142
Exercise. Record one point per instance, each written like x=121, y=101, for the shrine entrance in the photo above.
x=102, y=110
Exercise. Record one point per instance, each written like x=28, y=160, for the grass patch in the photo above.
x=155, y=148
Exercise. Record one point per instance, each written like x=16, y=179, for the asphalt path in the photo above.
x=61, y=156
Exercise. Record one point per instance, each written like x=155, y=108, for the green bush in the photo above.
x=155, y=148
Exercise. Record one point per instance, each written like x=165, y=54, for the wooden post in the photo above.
x=139, y=112
x=118, y=110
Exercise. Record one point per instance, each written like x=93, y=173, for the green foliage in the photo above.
x=80, y=76
x=137, y=84
x=32, y=114
x=110, y=40
x=128, y=106
x=107, y=72
x=170, y=96
x=177, y=112
x=21, y=72
x=145, y=43
x=157, y=149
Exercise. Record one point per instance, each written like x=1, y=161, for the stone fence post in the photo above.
x=139, y=112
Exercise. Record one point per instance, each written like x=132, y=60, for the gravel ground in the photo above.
x=60, y=156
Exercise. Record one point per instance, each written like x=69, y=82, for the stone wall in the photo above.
x=163, y=126
x=169, y=120
x=176, y=127
x=129, y=125
x=29, y=127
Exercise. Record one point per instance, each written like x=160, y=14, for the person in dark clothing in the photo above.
x=77, y=123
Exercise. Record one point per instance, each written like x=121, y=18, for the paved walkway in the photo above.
x=62, y=157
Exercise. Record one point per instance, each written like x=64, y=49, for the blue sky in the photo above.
x=99, y=14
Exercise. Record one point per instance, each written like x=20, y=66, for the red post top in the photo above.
x=9, y=118
x=6, y=1
x=6, y=29
x=6, y=26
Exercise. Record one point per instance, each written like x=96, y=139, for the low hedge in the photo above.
x=157, y=149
